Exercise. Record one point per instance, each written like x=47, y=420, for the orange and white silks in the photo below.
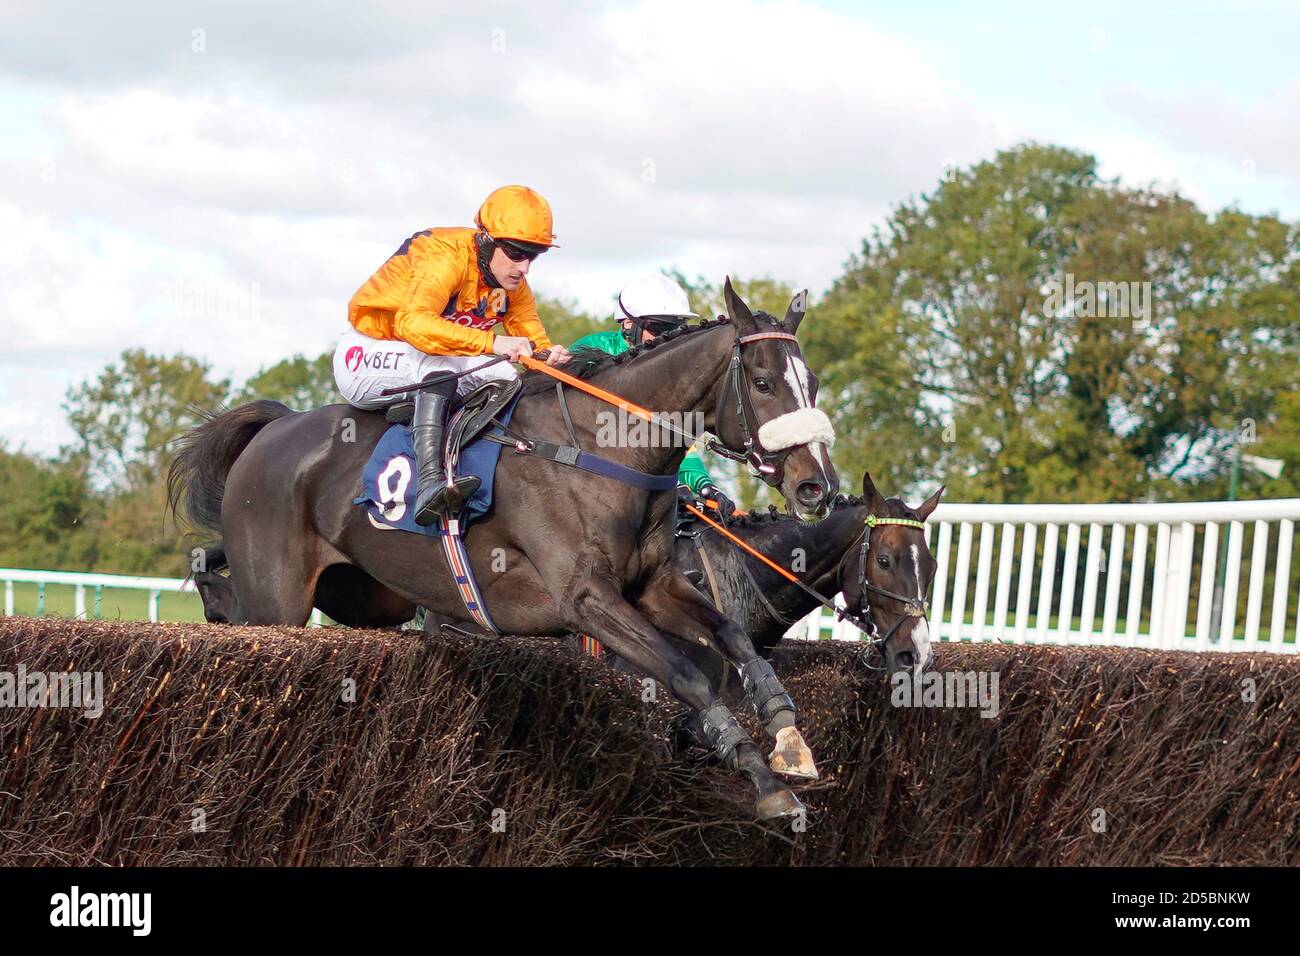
x=430, y=294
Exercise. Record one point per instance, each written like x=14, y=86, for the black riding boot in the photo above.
x=433, y=496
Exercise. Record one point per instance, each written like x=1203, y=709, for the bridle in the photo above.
x=769, y=466
x=918, y=606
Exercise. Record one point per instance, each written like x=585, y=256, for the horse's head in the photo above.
x=886, y=578
x=767, y=413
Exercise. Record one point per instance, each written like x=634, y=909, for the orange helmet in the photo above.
x=516, y=212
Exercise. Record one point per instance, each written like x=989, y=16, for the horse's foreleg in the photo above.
x=671, y=603
x=598, y=608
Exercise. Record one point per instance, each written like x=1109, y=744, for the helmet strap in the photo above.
x=485, y=245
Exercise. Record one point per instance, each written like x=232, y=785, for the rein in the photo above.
x=763, y=464
x=618, y=401
x=843, y=614
x=915, y=606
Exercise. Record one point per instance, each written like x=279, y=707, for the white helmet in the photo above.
x=652, y=295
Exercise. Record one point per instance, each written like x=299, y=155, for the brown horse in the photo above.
x=827, y=558
x=561, y=550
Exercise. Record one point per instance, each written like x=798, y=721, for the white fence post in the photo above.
x=1281, y=584
x=941, y=579
x=1114, y=581
x=1046, y=582
x=1228, y=624
x=1028, y=555
x=1205, y=601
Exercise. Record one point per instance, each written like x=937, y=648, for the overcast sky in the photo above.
x=220, y=177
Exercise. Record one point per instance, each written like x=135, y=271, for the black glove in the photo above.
x=725, y=506
x=686, y=497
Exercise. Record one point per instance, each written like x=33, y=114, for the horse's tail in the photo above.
x=206, y=455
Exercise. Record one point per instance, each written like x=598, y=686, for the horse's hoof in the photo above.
x=779, y=803
x=791, y=756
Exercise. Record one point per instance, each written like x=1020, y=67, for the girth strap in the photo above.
x=708, y=572
x=763, y=599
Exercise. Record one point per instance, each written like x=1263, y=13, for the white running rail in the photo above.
x=95, y=584
x=1132, y=575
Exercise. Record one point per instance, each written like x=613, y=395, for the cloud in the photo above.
x=1231, y=141
x=220, y=177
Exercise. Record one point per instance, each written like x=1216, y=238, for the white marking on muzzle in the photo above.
x=802, y=427
x=921, y=645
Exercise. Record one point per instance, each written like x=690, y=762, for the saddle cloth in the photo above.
x=388, y=479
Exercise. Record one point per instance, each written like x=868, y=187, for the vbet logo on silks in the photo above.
x=356, y=357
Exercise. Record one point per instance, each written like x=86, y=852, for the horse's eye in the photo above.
x=763, y=385
x=883, y=561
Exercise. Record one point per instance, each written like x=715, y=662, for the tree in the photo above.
x=299, y=382
x=765, y=292
x=1030, y=332
x=565, y=322
x=128, y=418
x=43, y=510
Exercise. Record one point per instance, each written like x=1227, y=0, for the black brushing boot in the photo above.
x=433, y=496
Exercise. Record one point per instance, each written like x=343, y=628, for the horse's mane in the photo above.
x=898, y=508
x=588, y=362
x=753, y=519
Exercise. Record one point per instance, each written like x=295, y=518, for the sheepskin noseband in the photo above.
x=801, y=427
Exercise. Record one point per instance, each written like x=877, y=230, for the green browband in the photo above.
x=872, y=521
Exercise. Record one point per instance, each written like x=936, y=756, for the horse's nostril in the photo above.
x=809, y=492
x=907, y=659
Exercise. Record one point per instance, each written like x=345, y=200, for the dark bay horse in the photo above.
x=827, y=558
x=561, y=550
x=824, y=556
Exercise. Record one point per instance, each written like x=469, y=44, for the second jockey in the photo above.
x=648, y=306
x=432, y=308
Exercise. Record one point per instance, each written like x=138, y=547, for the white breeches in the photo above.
x=364, y=367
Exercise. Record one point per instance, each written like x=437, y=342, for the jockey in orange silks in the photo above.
x=432, y=308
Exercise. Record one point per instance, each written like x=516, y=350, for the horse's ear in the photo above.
x=928, y=506
x=795, y=313
x=740, y=315
x=874, y=499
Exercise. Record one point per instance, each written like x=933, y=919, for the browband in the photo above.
x=757, y=336
x=871, y=521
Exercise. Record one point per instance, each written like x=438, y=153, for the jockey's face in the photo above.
x=646, y=336
x=506, y=271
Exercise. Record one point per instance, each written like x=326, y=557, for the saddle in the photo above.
x=479, y=407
